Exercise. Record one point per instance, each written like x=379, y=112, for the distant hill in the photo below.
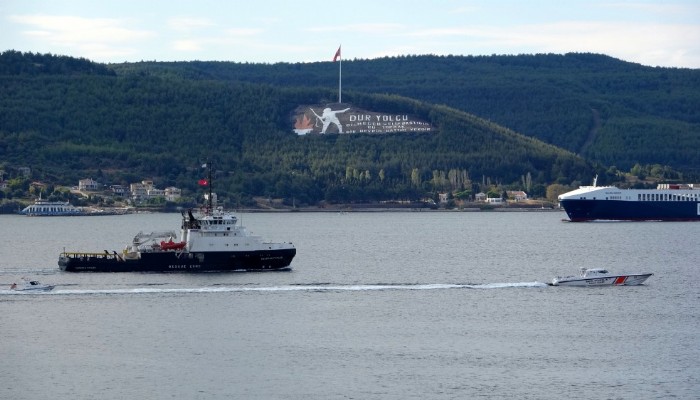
x=606, y=110
x=133, y=125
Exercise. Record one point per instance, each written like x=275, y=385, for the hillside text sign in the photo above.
x=345, y=119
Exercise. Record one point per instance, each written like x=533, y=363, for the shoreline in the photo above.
x=340, y=208
x=394, y=209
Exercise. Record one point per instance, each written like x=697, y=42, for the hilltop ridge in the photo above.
x=645, y=115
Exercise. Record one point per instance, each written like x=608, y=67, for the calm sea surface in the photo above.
x=422, y=305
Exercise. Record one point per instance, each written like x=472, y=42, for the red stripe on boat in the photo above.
x=620, y=280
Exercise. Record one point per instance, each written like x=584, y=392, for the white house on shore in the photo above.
x=88, y=185
x=517, y=195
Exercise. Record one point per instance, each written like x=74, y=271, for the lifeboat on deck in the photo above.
x=170, y=245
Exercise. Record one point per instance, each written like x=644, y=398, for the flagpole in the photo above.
x=340, y=78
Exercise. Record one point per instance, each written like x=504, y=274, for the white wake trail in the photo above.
x=285, y=288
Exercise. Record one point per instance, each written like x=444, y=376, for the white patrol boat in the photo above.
x=600, y=277
x=30, y=285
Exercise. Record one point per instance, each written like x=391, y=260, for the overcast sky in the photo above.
x=654, y=33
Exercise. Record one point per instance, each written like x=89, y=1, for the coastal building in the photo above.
x=118, y=190
x=517, y=195
x=88, y=185
x=155, y=192
x=146, y=190
x=172, y=193
x=139, y=191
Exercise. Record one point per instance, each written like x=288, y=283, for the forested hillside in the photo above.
x=606, y=110
x=118, y=129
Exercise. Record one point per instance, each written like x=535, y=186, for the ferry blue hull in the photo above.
x=589, y=210
x=171, y=261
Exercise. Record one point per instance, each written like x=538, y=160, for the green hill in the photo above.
x=86, y=121
x=606, y=110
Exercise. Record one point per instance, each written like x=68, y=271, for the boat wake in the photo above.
x=286, y=288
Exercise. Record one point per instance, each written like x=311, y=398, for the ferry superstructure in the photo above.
x=45, y=208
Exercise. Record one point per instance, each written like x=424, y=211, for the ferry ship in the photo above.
x=668, y=202
x=212, y=240
x=45, y=208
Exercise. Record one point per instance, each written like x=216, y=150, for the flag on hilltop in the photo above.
x=203, y=182
x=337, y=55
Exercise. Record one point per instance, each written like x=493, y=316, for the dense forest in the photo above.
x=606, y=110
x=69, y=119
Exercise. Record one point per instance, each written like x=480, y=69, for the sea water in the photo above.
x=395, y=305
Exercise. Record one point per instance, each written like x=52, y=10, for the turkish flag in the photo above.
x=337, y=55
x=203, y=182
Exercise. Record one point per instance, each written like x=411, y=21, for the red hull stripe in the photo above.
x=620, y=280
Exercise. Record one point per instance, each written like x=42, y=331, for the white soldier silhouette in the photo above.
x=330, y=117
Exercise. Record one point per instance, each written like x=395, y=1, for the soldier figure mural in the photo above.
x=329, y=117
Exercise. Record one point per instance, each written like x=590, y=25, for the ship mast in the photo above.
x=210, y=206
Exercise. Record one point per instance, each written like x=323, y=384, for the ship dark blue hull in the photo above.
x=589, y=210
x=172, y=261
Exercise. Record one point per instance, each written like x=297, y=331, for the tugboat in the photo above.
x=212, y=240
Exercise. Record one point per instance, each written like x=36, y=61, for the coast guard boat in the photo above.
x=668, y=202
x=211, y=240
x=600, y=277
x=28, y=285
